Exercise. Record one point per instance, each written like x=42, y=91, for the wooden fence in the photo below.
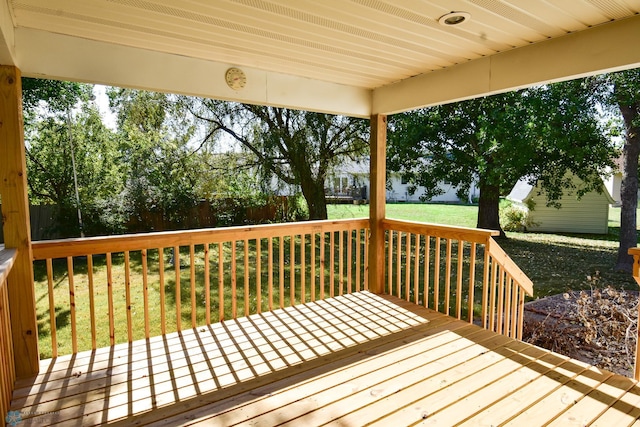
x=7, y=364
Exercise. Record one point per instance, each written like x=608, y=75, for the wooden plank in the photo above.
x=349, y=259
x=163, y=313
x=407, y=267
x=459, y=279
x=178, y=297
x=625, y=411
x=292, y=271
x=221, y=279
x=207, y=285
x=358, y=262
x=16, y=223
x=132, y=242
x=340, y=263
x=127, y=292
x=145, y=293
x=389, y=287
x=281, y=271
x=427, y=264
x=447, y=279
x=92, y=303
x=52, y=310
x=436, y=276
x=444, y=231
x=234, y=279
x=303, y=268
x=398, y=266
x=472, y=281
x=595, y=402
x=192, y=283
x=258, y=276
x=377, y=200
x=313, y=267
x=110, y=309
x=323, y=264
x=270, y=272
x=416, y=270
x=246, y=277
x=332, y=264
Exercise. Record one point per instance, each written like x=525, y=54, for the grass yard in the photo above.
x=554, y=262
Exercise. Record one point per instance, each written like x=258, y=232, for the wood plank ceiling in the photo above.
x=357, y=43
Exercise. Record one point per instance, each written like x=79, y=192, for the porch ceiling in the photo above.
x=354, y=57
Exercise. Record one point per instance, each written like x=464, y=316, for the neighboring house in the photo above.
x=590, y=214
x=351, y=179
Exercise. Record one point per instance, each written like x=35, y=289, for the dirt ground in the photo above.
x=598, y=327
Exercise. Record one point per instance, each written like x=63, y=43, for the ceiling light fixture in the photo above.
x=454, y=18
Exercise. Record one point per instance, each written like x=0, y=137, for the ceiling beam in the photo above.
x=54, y=56
x=604, y=48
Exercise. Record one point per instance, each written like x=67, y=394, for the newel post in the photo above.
x=377, y=196
x=16, y=223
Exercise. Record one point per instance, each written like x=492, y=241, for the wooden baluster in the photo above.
x=427, y=264
x=332, y=264
x=176, y=268
x=340, y=262
x=514, y=308
x=500, y=308
x=281, y=272
x=163, y=311
x=366, y=259
x=407, y=267
x=520, y=315
x=399, y=265
x=221, y=281
x=72, y=306
x=270, y=271
x=492, y=294
x=416, y=269
x=508, y=319
x=234, y=278
x=390, y=233
x=246, y=278
x=207, y=285
x=472, y=277
x=52, y=310
x=447, y=279
x=127, y=291
x=192, y=282
x=292, y=271
x=303, y=268
x=313, y=266
x=92, y=302
x=349, y=259
x=436, y=276
x=323, y=266
x=111, y=314
x=485, y=286
x=459, y=279
x=359, y=262
x=145, y=294
x=258, y=276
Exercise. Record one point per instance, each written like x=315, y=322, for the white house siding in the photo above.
x=589, y=215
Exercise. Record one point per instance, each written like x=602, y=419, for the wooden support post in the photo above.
x=377, y=179
x=16, y=225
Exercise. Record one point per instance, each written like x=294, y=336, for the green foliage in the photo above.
x=298, y=148
x=514, y=218
x=540, y=132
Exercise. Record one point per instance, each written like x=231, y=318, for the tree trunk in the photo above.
x=313, y=193
x=489, y=208
x=628, y=192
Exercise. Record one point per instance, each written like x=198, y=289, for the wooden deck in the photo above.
x=352, y=360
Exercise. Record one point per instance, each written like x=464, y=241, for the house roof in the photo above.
x=357, y=57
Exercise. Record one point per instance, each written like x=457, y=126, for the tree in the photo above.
x=624, y=93
x=60, y=121
x=539, y=133
x=297, y=147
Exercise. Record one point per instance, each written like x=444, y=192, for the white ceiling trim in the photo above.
x=7, y=39
x=48, y=55
x=604, y=48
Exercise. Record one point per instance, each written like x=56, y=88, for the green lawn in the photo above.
x=554, y=262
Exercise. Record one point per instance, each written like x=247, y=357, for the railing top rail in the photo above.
x=130, y=242
x=476, y=235
x=7, y=258
x=511, y=267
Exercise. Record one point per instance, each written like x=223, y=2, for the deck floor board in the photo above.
x=351, y=360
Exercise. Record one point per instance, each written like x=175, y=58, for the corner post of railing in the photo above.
x=635, y=252
x=16, y=223
x=377, y=203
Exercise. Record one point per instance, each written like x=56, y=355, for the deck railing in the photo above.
x=7, y=365
x=102, y=290
x=458, y=271
x=635, y=253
